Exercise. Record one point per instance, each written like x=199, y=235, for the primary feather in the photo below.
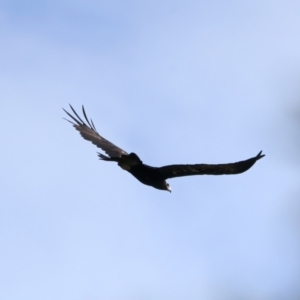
x=88, y=132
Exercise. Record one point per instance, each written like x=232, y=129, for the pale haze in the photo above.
x=175, y=82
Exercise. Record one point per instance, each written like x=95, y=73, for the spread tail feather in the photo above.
x=106, y=158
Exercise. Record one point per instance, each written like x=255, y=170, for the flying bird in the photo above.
x=152, y=176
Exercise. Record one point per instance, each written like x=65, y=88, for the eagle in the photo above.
x=152, y=176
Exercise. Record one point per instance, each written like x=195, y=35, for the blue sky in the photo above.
x=175, y=82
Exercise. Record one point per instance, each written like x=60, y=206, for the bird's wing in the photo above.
x=203, y=169
x=88, y=132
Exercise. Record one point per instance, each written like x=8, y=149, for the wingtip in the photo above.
x=259, y=155
x=69, y=121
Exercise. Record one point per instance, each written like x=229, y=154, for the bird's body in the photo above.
x=149, y=175
x=152, y=176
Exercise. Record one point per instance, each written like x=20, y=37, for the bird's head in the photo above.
x=162, y=185
x=168, y=188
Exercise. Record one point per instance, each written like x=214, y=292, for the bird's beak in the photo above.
x=169, y=189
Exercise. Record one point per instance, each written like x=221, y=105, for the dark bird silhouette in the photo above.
x=153, y=176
